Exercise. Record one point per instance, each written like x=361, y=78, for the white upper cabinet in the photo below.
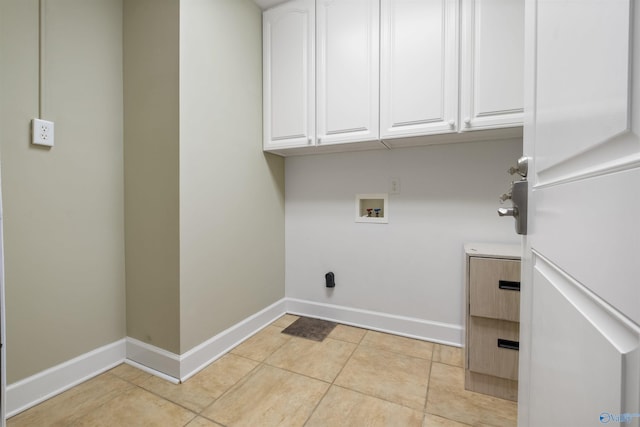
x=418, y=67
x=347, y=70
x=492, y=64
x=345, y=74
x=289, y=75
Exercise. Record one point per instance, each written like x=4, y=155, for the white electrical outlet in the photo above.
x=42, y=132
x=394, y=186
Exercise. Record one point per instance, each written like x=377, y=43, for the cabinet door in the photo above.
x=492, y=64
x=289, y=75
x=418, y=67
x=348, y=70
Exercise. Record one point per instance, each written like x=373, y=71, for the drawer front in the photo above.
x=494, y=288
x=493, y=347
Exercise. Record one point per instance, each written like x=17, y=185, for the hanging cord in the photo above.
x=41, y=58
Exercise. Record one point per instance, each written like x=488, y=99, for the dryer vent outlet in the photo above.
x=330, y=280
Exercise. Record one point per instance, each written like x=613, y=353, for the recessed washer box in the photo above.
x=373, y=208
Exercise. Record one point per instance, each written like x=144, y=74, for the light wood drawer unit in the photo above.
x=494, y=288
x=493, y=348
x=492, y=311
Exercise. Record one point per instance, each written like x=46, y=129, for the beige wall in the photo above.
x=202, y=208
x=63, y=207
x=231, y=194
x=151, y=135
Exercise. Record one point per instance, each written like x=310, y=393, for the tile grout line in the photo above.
x=243, y=379
x=260, y=364
x=88, y=411
x=332, y=383
x=442, y=362
x=366, y=394
x=391, y=352
x=398, y=352
x=163, y=397
x=240, y=381
x=264, y=363
x=426, y=396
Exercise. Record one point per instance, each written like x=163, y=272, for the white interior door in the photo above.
x=580, y=306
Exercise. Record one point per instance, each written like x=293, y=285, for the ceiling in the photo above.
x=266, y=4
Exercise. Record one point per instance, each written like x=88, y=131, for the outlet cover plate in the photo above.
x=42, y=132
x=394, y=186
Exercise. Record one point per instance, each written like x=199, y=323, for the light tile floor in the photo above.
x=355, y=377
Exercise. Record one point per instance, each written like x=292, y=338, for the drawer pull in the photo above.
x=509, y=286
x=510, y=345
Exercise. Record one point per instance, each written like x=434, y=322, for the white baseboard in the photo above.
x=202, y=355
x=158, y=361
x=443, y=333
x=48, y=383
x=176, y=368
x=159, y=374
x=179, y=368
x=44, y=385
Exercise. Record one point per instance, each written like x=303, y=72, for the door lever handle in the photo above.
x=519, y=209
x=508, y=212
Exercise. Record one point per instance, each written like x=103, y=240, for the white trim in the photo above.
x=443, y=333
x=203, y=354
x=39, y=387
x=159, y=361
x=152, y=371
x=44, y=385
x=178, y=368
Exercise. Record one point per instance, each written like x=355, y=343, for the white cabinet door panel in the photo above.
x=419, y=63
x=289, y=75
x=348, y=70
x=492, y=63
